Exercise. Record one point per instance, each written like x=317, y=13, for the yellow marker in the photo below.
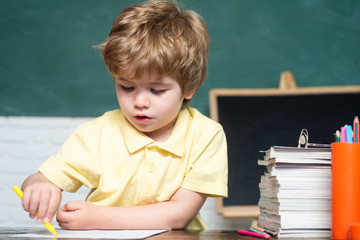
x=47, y=224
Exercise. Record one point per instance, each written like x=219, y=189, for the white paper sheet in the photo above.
x=113, y=234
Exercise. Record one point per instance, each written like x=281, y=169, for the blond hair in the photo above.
x=158, y=36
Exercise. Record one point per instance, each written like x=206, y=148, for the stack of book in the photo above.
x=295, y=192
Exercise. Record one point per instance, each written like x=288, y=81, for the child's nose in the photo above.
x=141, y=100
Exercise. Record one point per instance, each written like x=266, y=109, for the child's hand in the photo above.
x=78, y=215
x=41, y=198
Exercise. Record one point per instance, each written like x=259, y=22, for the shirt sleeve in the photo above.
x=208, y=166
x=74, y=165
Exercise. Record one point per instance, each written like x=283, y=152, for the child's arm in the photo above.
x=40, y=196
x=173, y=214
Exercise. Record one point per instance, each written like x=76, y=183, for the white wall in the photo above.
x=25, y=142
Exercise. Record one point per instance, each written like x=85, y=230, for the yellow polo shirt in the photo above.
x=124, y=167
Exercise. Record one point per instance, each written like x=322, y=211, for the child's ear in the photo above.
x=189, y=95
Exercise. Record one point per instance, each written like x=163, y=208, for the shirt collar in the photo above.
x=135, y=140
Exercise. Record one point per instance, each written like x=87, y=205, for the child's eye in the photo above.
x=127, y=89
x=156, y=91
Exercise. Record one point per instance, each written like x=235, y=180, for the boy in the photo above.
x=152, y=164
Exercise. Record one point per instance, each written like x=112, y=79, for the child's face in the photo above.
x=151, y=104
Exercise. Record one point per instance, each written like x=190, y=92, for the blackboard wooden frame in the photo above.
x=287, y=88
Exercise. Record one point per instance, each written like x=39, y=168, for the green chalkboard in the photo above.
x=264, y=118
x=48, y=65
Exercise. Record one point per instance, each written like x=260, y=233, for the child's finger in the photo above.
x=71, y=206
x=65, y=213
x=33, y=204
x=26, y=201
x=43, y=206
x=53, y=206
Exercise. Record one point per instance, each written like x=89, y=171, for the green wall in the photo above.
x=48, y=65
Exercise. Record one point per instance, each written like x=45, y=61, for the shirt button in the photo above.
x=148, y=190
x=152, y=149
x=151, y=168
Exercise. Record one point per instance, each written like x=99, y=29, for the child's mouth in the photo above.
x=142, y=118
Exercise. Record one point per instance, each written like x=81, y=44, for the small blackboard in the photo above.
x=256, y=119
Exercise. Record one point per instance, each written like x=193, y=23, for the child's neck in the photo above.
x=163, y=134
